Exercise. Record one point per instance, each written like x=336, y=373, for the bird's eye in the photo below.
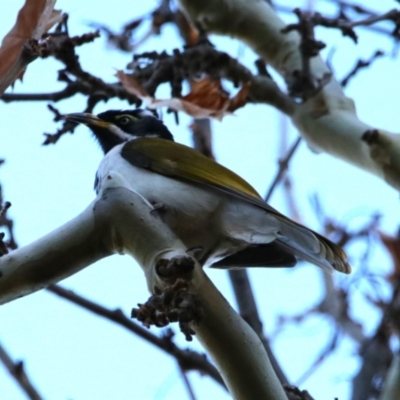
x=124, y=120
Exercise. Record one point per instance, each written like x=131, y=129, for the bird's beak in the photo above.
x=87, y=119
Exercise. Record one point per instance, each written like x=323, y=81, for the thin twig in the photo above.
x=302, y=84
x=283, y=166
x=360, y=65
x=392, y=15
x=17, y=370
x=187, y=383
x=152, y=69
x=72, y=89
x=328, y=350
x=373, y=28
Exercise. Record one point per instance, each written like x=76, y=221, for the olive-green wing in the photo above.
x=184, y=163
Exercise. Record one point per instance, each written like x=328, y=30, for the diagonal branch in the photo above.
x=187, y=360
x=187, y=384
x=344, y=6
x=283, y=166
x=360, y=65
x=249, y=312
x=17, y=370
x=69, y=91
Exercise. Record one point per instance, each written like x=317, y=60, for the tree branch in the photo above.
x=327, y=121
x=283, y=166
x=202, y=58
x=343, y=6
x=187, y=384
x=72, y=89
x=248, y=310
x=360, y=65
x=247, y=371
x=17, y=370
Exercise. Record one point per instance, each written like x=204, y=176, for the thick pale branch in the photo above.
x=234, y=346
x=249, y=312
x=328, y=120
x=56, y=256
x=118, y=221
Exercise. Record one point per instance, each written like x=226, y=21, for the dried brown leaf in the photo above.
x=240, y=99
x=132, y=86
x=206, y=98
x=208, y=94
x=48, y=18
x=55, y=17
x=34, y=19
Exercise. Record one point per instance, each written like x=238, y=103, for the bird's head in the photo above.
x=114, y=127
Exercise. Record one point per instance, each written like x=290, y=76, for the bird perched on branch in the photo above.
x=221, y=219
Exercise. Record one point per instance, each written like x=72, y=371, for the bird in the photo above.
x=219, y=217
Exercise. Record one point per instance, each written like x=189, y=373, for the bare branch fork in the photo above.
x=118, y=221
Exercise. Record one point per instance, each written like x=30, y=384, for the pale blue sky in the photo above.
x=71, y=354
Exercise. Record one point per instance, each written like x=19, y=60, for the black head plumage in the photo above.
x=137, y=123
x=114, y=127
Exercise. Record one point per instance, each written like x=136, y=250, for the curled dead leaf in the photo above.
x=34, y=19
x=207, y=98
x=132, y=86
